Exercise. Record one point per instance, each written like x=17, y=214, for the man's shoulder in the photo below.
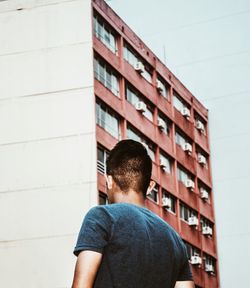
x=116, y=210
x=110, y=210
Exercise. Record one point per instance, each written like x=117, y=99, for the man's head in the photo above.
x=130, y=167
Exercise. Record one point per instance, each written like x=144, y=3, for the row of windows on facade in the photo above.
x=187, y=214
x=109, y=78
x=194, y=253
x=109, y=122
x=195, y=258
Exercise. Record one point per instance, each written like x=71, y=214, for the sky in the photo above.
x=206, y=44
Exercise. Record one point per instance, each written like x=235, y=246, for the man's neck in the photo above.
x=130, y=197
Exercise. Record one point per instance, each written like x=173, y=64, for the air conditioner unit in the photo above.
x=141, y=106
x=206, y=230
x=187, y=147
x=204, y=194
x=159, y=86
x=163, y=163
x=200, y=126
x=202, y=159
x=189, y=184
x=139, y=67
x=185, y=112
x=166, y=202
x=161, y=124
x=195, y=260
x=209, y=268
x=193, y=221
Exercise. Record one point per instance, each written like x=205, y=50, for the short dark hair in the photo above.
x=130, y=166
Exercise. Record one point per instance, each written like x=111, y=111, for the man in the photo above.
x=125, y=245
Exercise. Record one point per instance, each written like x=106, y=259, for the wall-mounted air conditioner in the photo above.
x=208, y=231
x=195, y=260
x=161, y=124
x=141, y=106
x=189, y=184
x=185, y=112
x=193, y=221
x=166, y=202
x=139, y=67
x=163, y=163
x=204, y=194
x=209, y=268
x=159, y=86
x=202, y=159
x=200, y=126
x=187, y=147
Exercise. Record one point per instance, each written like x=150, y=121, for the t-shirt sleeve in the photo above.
x=185, y=273
x=95, y=231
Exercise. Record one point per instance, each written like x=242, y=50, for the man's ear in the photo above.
x=109, y=181
x=151, y=186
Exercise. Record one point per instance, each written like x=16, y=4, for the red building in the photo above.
x=138, y=97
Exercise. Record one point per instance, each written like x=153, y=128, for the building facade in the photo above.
x=137, y=97
x=75, y=79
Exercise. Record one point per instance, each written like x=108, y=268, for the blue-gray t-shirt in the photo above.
x=139, y=249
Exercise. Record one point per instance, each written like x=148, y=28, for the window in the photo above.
x=102, y=155
x=184, y=142
x=154, y=194
x=133, y=134
x=163, y=124
x=192, y=251
x=106, y=76
x=165, y=163
x=183, y=176
x=186, y=212
x=180, y=139
x=204, y=192
x=209, y=264
x=130, y=56
x=171, y=203
x=104, y=33
x=180, y=104
x=103, y=198
x=107, y=120
x=207, y=227
x=202, y=157
x=162, y=87
x=134, y=97
x=200, y=124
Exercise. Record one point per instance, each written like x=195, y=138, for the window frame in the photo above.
x=166, y=194
x=103, y=112
x=106, y=75
x=133, y=97
x=100, y=163
x=102, y=29
x=132, y=58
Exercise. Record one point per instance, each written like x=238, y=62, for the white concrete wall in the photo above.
x=47, y=138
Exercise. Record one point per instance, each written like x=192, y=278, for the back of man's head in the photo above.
x=130, y=166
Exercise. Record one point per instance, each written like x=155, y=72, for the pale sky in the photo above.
x=207, y=46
